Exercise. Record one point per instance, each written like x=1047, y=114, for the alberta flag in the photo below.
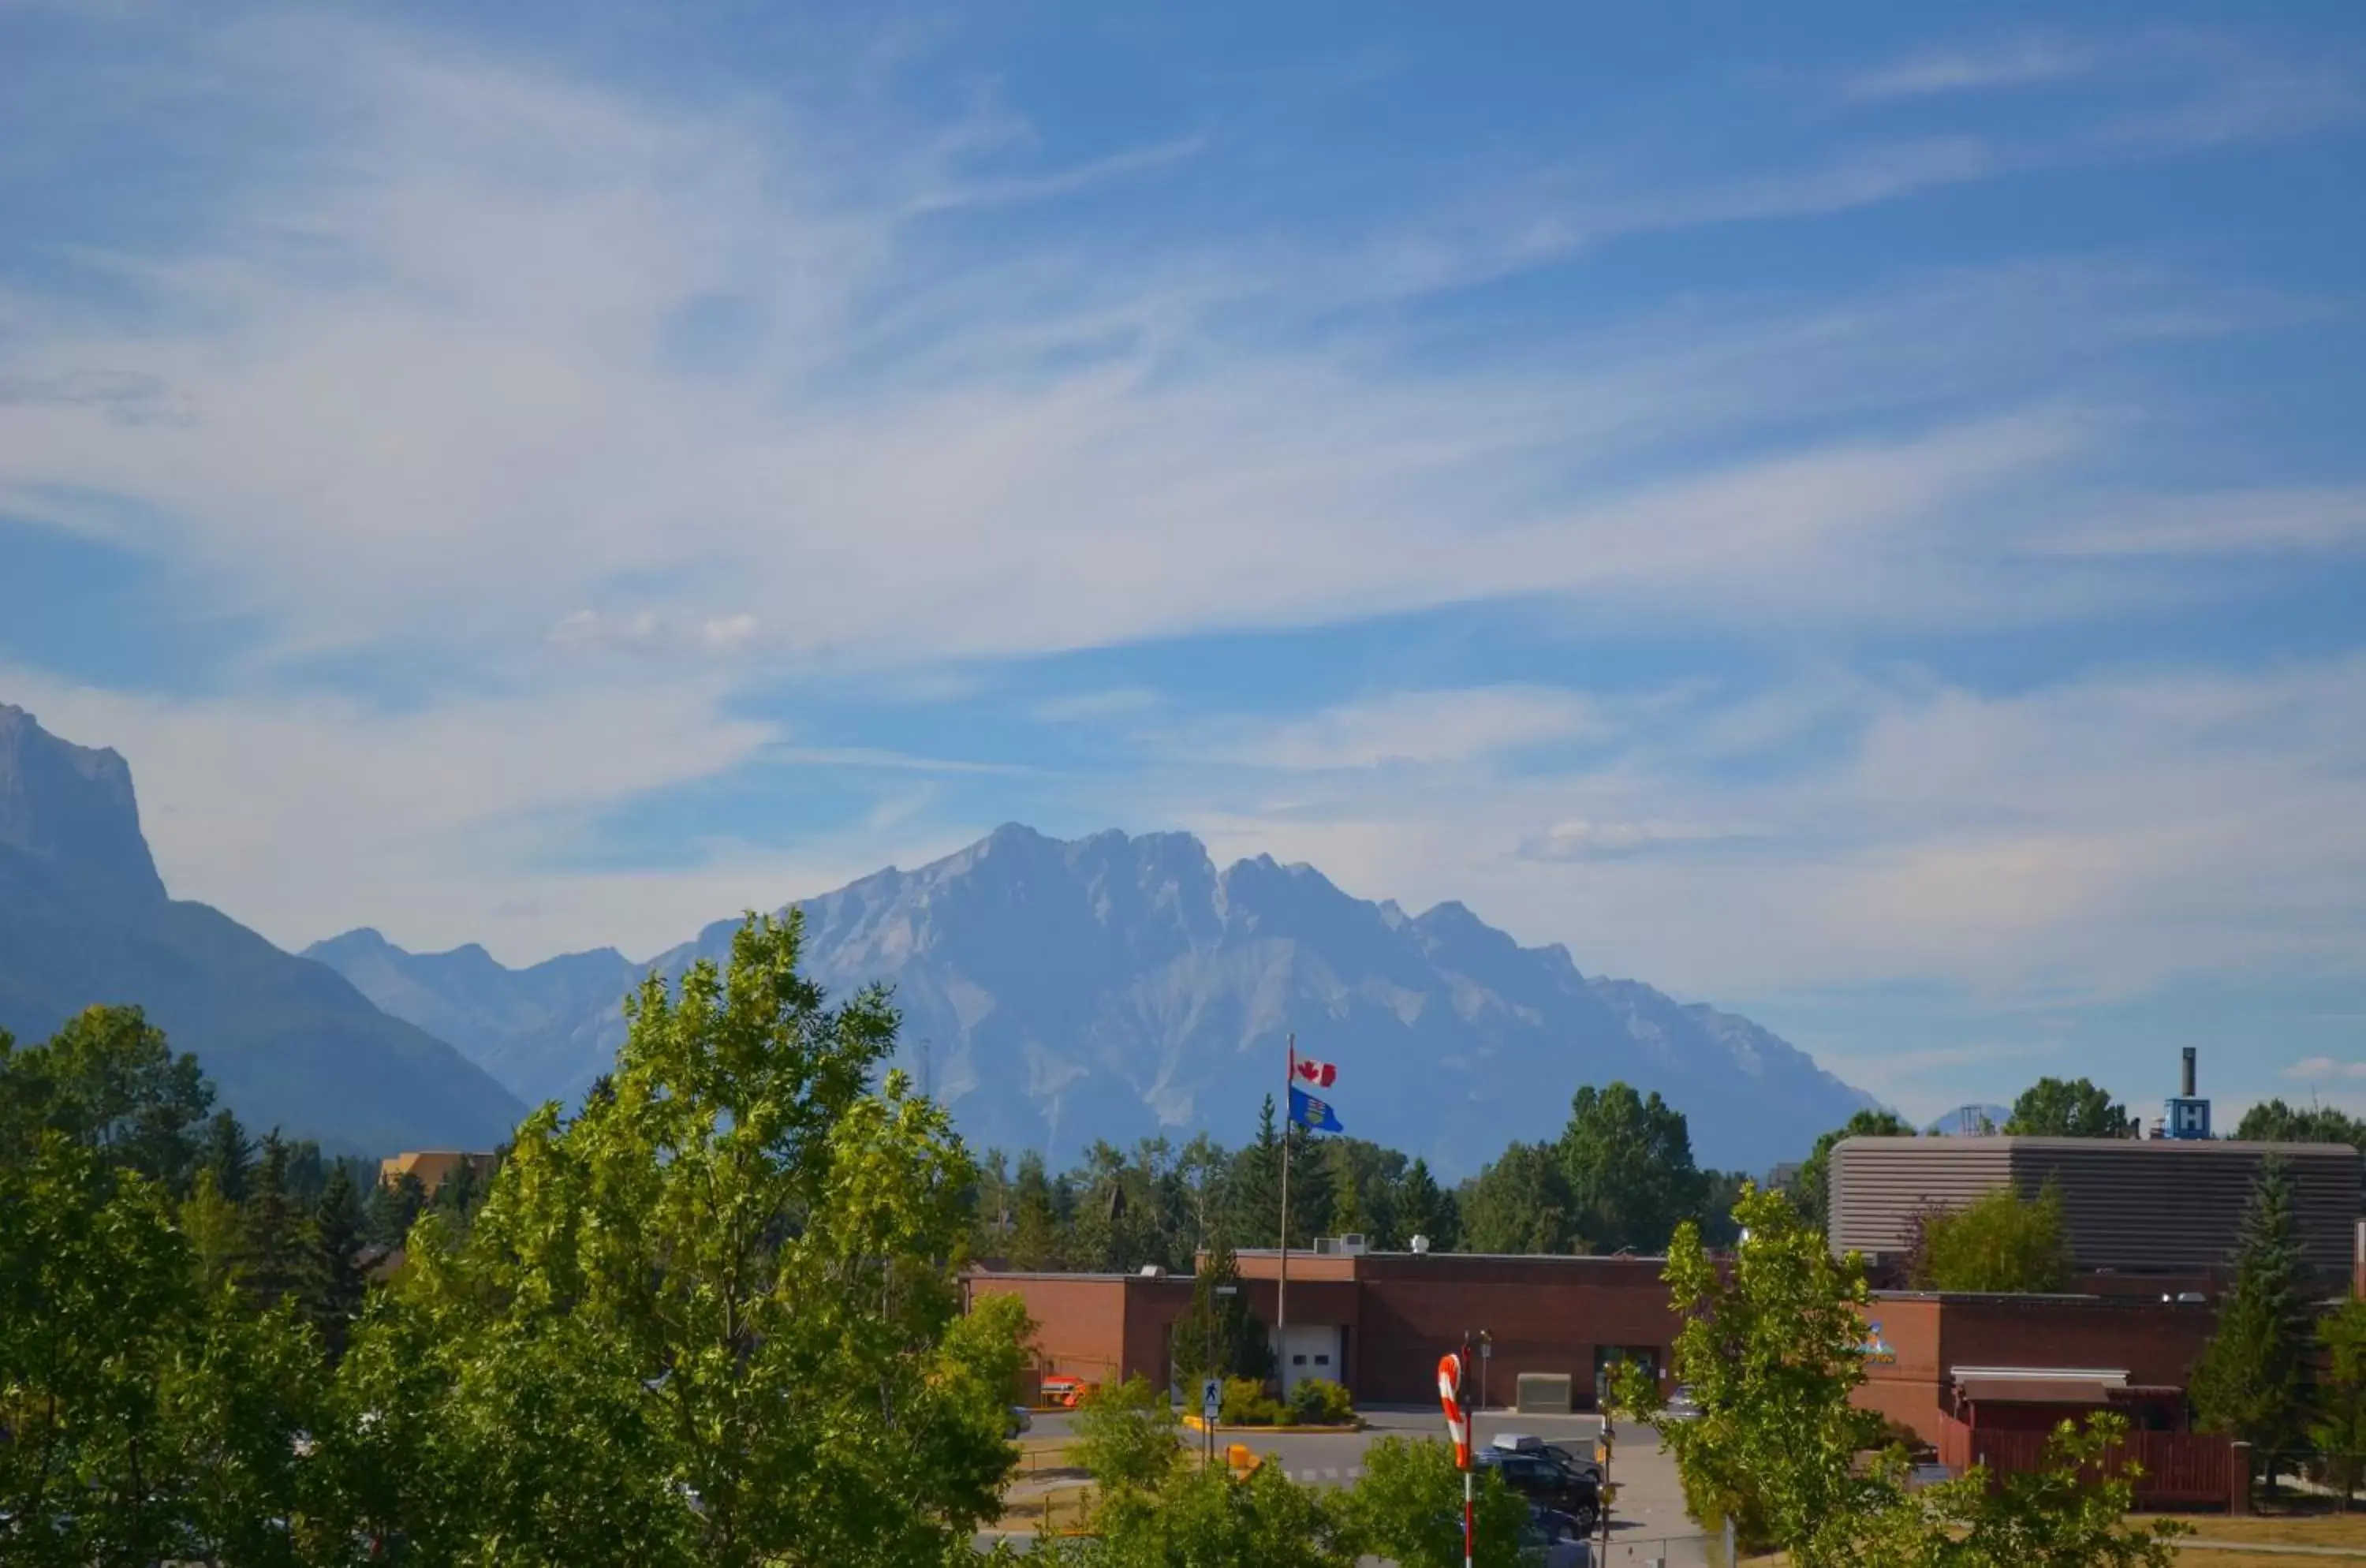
x=1312, y=1113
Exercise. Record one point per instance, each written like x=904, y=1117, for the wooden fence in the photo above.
x=2179, y=1469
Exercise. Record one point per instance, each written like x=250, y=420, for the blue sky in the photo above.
x=1853, y=516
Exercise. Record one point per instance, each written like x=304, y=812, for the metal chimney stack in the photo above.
x=2188, y=1090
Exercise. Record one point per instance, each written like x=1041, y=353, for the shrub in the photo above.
x=1319, y=1402
x=1245, y=1404
x=1126, y=1436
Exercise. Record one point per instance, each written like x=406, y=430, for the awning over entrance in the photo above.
x=2038, y=1386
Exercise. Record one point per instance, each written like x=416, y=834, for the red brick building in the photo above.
x=1379, y=1321
x=1916, y=1344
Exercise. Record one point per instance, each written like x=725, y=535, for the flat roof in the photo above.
x=2205, y=1147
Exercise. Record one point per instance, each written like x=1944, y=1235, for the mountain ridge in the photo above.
x=1116, y=986
x=86, y=918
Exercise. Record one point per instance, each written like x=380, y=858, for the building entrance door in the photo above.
x=1309, y=1350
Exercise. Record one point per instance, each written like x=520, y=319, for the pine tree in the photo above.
x=1312, y=1188
x=335, y=1284
x=1424, y=1209
x=1217, y=1336
x=2252, y=1381
x=393, y=1206
x=1035, y=1221
x=1256, y=1216
x=229, y=1152
x=276, y=1245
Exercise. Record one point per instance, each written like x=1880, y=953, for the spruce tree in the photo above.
x=2252, y=1381
x=393, y=1206
x=1424, y=1209
x=335, y=1285
x=1217, y=1336
x=229, y=1152
x=1035, y=1220
x=1255, y=1218
x=277, y=1249
x=1310, y=1188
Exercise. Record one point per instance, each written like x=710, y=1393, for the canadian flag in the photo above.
x=1306, y=1070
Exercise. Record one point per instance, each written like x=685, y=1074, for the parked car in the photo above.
x=1682, y=1406
x=1541, y=1480
x=1567, y=1458
x=1020, y=1421
x=1552, y=1539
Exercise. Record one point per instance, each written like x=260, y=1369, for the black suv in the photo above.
x=1541, y=1480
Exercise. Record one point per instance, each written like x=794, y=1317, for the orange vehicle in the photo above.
x=1064, y=1390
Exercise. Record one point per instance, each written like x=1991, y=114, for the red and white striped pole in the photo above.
x=1457, y=1426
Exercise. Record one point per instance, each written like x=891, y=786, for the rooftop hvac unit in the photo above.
x=1153, y=1271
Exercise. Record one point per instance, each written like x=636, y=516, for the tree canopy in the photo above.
x=2000, y=1241
x=1811, y=1184
x=1628, y=1162
x=2067, y=1108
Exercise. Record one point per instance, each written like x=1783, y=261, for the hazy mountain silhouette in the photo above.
x=1115, y=988
x=85, y=918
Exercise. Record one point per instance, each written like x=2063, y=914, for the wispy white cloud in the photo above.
x=2256, y=522
x=1117, y=167
x=2017, y=64
x=2087, y=841
x=2315, y=1069
x=1403, y=729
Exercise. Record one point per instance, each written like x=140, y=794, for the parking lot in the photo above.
x=1647, y=1519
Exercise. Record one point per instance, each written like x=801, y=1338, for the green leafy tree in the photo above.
x=144, y=1421
x=1770, y=1349
x=1425, y=1209
x=713, y=1318
x=2273, y=1122
x=1521, y=1203
x=2069, y=1513
x=2252, y=1380
x=1127, y=1436
x=1208, y=1519
x=1628, y=1161
x=1812, y=1185
x=1202, y=1178
x=2339, y=1428
x=216, y=1232
x=1407, y=1507
x=2000, y=1241
x=1721, y=1190
x=2067, y=1108
x=109, y=1080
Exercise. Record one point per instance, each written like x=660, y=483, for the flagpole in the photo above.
x=1281, y=1289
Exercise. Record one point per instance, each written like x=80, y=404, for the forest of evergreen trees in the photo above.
x=1620, y=1178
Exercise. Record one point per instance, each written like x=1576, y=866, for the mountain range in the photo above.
x=1053, y=993
x=1113, y=986
x=85, y=918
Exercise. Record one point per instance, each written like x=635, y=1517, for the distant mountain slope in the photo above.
x=532, y=1029
x=85, y=918
x=1057, y=992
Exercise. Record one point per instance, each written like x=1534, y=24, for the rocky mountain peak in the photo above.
x=73, y=808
